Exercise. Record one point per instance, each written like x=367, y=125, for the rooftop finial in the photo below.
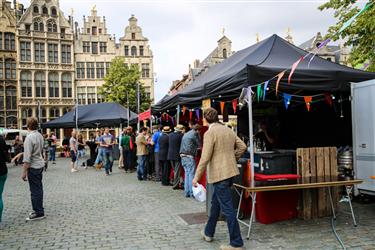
x=223, y=31
x=71, y=11
x=257, y=37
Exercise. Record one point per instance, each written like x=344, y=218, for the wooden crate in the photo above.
x=317, y=164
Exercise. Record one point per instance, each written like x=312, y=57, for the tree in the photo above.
x=359, y=35
x=120, y=80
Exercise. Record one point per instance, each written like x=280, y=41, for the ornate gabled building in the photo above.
x=8, y=59
x=135, y=49
x=334, y=53
x=94, y=51
x=46, y=62
x=220, y=53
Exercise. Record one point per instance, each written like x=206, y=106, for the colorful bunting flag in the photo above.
x=234, y=104
x=349, y=22
x=222, y=104
x=279, y=76
x=259, y=91
x=191, y=114
x=328, y=99
x=197, y=113
x=183, y=110
x=265, y=89
x=287, y=99
x=308, y=100
x=294, y=66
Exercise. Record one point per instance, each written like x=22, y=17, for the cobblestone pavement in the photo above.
x=87, y=210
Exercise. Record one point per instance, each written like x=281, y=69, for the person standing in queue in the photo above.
x=33, y=164
x=73, y=151
x=163, y=155
x=4, y=158
x=142, y=154
x=126, y=152
x=174, y=154
x=107, y=141
x=155, y=142
x=221, y=150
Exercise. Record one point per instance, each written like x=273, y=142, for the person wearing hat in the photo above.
x=174, y=154
x=163, y=155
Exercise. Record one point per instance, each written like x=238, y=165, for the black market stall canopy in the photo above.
x=93, y=116
x=259, y=63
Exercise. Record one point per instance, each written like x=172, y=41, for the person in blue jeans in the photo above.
x=142, y=153
x=188, y=150
x=99, y=157
x=52, y=140
x=106, y=142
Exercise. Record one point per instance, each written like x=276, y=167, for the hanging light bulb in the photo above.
x=341, y=109
x=333, y=97
x=268, y=89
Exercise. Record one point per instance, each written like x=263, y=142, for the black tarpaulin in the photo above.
x=261, y=62
x=92, y=116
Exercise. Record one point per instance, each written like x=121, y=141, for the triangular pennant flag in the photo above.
x=191, y=114
x=328, y=99
x=197, y=113
x=349, y=22
x=287, y=99
x=222, y=104
x=308, y=100
x=279, y=76
x=234, y=104
x=259, y=91
x=294, y=66
x=265, y=89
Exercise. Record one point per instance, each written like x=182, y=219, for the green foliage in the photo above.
x=360, y=35
x=122, y=79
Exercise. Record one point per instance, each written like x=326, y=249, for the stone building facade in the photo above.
x=46, y=62
x=220, y=53
x=8, y=68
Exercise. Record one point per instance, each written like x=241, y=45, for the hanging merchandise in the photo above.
x=259, y=91
x=294, y=66
x=265, y=89
x=279, y=76
x=206, y=104
x=197, y=113
x=234, y=104
x=172, y=120
x=308, y=100
x=287, y=99
x=222, y=104
x=183, y=110
x=191, y=114
x=328, y=99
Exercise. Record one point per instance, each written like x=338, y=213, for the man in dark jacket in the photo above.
x=163, y=155
x=174, y=153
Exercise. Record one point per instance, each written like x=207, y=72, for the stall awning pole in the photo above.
x=251, y=143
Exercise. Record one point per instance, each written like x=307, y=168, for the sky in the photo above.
x=180, y=31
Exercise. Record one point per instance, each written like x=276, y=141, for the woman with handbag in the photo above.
x=4, y=158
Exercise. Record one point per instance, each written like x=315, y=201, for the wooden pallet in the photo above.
x=313, y=163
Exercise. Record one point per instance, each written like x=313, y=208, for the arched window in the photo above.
x=2, y=121
x=224, y=53
x=2, y=100
x=53, y=81
x=45, y=11
x=51, y=26
x=66, y=82
x=134, y=51
x=27, y=112
x=66, y=110
x=10, y=69
x=43, y=115
x=53, y=11
x=11, y=122
x=38, y=25
x=36, y=9
x=54, y=113
x=40, y=84
x=11, y=98
x=26, y=83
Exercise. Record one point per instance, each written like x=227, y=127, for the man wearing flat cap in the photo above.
x=174, y=154
x=163, y=155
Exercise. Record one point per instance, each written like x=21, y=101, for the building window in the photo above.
x=45, y=11
x=91, y=96
x=134, y=51
x=2, y=121
x=224, y=53
x=53, y=53
x=81, y=95
x=80, y=70
x=2, y=99
x=94, y=30
x=66, y=83
x=40, y=84
x=26, y=84
x=54, y=113
x=141, y=50
x=1, y=69
x=1, y=40
x=100, y=70
x=107, y=67
x=28, y=112
x=27, y=27
x=42, y=115
x=66, y=55
x=90, y=70
x=86, y=47
x=9, y=41
x=12, y=121
x=11, y=98
x=10, y=69
x=36, y=9
x=66, y=110
x=53, y=79
x=100, y=31
x=126, y=48
x=53, y=11
x=145, y=70
x=94, y=47
x=103, y=47
x=25, y=51
x=51, y=26
x=39, y=52
x=133, y=36
x=38, y=26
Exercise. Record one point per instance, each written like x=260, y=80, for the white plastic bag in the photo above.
x=199, y=193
